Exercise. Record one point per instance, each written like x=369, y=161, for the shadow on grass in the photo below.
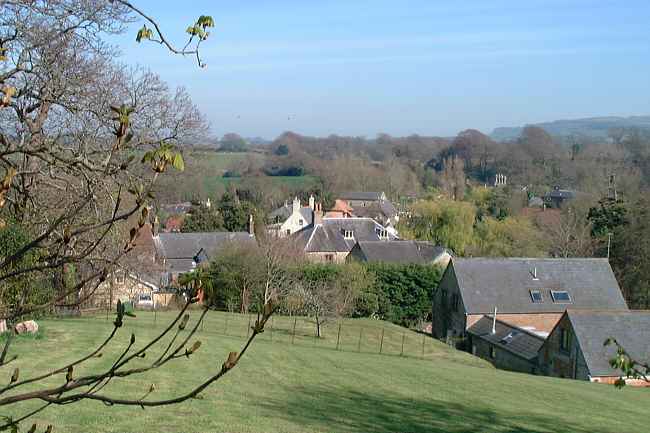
x=326, y=409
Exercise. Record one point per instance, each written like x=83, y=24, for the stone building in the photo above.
x=575, y=347
x=506, y=346
x=532, y=293
x=288, y=220
x=330, y=240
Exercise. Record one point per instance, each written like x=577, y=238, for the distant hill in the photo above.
x=596, y=127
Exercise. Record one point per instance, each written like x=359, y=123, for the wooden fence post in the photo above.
x=293, y=333
x=381, y=343
x=403, y=337
x=272, y=318
x=422, y=345
x=338, y=337
x=360, y=333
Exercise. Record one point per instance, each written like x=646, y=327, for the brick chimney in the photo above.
x=318, y=213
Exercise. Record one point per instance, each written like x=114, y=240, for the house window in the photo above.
x=382, y=233
x=329, y=258
x=454, y=302
x=560, y=296
x=565, y=340
x=493, y=352
x=300, y=222
x=348, y=234
x=288, y=231
x=536, y=296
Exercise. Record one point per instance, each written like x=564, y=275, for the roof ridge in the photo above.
x=529, y=258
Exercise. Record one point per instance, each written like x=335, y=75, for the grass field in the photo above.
x=212, y=165
x=309, y=386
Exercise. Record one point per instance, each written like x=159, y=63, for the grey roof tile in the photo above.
x=187, y=245
x=592, y=328
x=506, y=283
x=511, y=338
x=328, y=236
x=399, y=251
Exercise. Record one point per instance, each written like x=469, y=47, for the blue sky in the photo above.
x=430, y=67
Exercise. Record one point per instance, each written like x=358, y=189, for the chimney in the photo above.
x=251, y=225
x=494, y=321
x=311, y=201
x=318, y=214
x=296, y=205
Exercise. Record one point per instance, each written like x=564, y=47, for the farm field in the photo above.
x=204, y=170
x=310, y=386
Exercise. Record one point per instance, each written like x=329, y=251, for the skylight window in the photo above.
x=508, y=338
x=348, y=234
x=561, y=296
x=536, y=296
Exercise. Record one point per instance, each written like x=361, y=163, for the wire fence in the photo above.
x=349, y=335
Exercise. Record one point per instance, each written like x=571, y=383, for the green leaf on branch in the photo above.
x=178, y=162
x=205, y=21
x=144, y=33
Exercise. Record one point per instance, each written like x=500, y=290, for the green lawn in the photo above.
x=309, y=386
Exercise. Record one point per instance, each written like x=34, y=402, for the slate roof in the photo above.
x=307, y=214
x=383, y=209
x=362, y=196
x=507, y=337
x=506, y=283
x=284, y=212
x=592, y=328
x=187, y=245
x=328, y=236
x=400, y=251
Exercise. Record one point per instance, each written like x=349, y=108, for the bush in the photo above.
x=404, y=293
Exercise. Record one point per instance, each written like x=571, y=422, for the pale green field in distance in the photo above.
x=309, y=386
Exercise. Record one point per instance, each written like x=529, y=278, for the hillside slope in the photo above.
x=309, y=387
x=596, y=127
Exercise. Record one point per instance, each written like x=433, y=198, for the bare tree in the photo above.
x=570, y=235
x=71, y=124
x=328, y=291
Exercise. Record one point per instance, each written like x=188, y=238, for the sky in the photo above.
x=433, y=67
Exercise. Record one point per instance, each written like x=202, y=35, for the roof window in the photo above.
x=561, y=296
x=348, y=234
x=536, y=296
x=508, y=338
